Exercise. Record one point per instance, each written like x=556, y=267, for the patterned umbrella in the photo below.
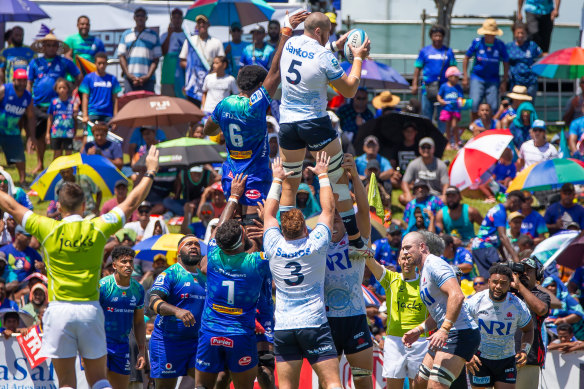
x=20, y=11
x=548, y=175
x=565, y=63
x=477, y=156
x=225, y=12
x=99, y=169
x=376, y=75
x=162, y=244
x=552, y=245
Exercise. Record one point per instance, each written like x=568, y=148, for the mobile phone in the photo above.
x=248, y=220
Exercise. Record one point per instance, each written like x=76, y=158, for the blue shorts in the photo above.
x=257, y=185
x=118, y=358
x=13, y=148
x=238, y=353
x=171, y=358
x=313, y=134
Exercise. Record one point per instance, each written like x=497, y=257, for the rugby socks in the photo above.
x=350, y=222
x=102, y=384
x=285, y=208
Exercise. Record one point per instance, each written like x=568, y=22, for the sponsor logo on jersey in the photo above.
x=509, y=314
x=184, y=295
x=235, y=154
x=257, y=96
x=481, y=380
x=168, y=366
x=82, y=243
x=110, y=309
x=15, y=110
x=227, y=310
x=244, y=361
x=110, y=218
x=299, y=253
x=494, y=326
x=411, y=306
x=360, y=334
x=298, y=51
x=160, y=279
x=221, y=341
x=253, y=194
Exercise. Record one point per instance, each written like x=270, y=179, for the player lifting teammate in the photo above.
x=304, y=123
x=345, y=307
x=242, y=119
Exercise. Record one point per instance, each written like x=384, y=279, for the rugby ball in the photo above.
x=356, y=38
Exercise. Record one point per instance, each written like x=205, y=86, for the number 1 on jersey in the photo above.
x=230, y=291
x=235, y=136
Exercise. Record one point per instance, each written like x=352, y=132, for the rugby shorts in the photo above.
x=350, y=334
x=171, y=358
x=257, y=185
x=462, y=343
x=118, y=358
x=315, y=344
x=71, y=327
x=491, y=371
x=400, y=361
x=238, y=353
x=313, y=134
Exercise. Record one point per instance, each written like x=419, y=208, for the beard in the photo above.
x=453, y=205
x=191, y=259
x=492, y=296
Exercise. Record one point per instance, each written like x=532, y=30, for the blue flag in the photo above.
x=564, y=151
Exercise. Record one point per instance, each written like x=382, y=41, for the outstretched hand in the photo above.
x=278, y=170
x=238, y=185
x=297, y=18
x=322, y=163
x=152, y=159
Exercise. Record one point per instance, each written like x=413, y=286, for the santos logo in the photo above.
x=299, y=52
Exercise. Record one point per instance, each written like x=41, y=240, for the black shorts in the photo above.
x=462, y=343
x=61, y=144
x=313, y=134
x=491, y=371
x=315, y=344
x=41, y=121
x=350, y=334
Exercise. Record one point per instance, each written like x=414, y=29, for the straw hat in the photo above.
x=519, y=92
x=490, y=28
x=385, y=99
x=38, y=45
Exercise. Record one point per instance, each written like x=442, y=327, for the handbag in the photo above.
x=432, y=88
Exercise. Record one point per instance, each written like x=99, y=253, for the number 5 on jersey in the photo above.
x=295, y=72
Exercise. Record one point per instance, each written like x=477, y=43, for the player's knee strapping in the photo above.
x=294, y=167
x=102, y=384
x=359, y=372
x=424, y=372
x=335, y=172
x=442, y=375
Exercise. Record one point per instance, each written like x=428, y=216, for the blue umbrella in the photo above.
x=225, y=12
x=20, y=11
x=376, y=75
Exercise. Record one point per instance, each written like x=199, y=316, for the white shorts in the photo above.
x=400, y=361
x=72, y=327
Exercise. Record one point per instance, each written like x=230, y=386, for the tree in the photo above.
x=444, y=16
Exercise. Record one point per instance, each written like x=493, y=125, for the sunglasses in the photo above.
x=141, y=211
x=4, y=182
x=206, y=213
x=426, y=147
x=478, y=283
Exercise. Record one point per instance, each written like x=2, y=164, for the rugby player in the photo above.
x=178, y=297
x=73, y=253
x=298, y=262
x=122, y=300
x=304, y=123
x=457, y=338
x=405, y=312
x=234, y=283
x=499, y=314
x=242, y=119
x=343, y=297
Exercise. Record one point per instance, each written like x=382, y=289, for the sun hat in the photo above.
x=490, y=28
x=452, y=71
x=39, y=44
x=385, y=99
x=519, y=92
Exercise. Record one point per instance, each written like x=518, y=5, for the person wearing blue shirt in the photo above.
x=371, y=152
x=488, y=53
x=558, y=216
x=234, y=49
x=258, y=52
x=15, y=56
x=575, y=136
x=539, y=17
x=172, y=78
x=22, y=259
x=458, y=256
x=178, y=297
x=523, y=53
x=43, y=72
x=99, y=92
x=386, y=250
x=533, y=224
x=433, y=60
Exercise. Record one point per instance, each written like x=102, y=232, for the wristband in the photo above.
x=275, y=191
x=324, y=182
x=233, y=199
x=526, y=347
x=286, y=31
x=322, y=174
x=444, y=329
x=450, y=321
x=149, y=175
x=287, y=22
x=355, y=77
x=334, y=47
x=277, y=179
x=358, y=59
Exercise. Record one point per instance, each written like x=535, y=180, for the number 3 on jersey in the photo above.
x=295, y=72
x=235, y=135
x=295, y=272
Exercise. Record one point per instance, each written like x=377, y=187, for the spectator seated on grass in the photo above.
x=522, y=123
x=558, y=216
x=509, y=105
x=100, y=145
x=537, y=149
x=485, y=120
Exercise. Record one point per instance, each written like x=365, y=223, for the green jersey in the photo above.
x=73, y=251
x=84, y=47
x=404, y=306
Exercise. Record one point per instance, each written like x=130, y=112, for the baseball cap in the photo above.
x=217, y=186
x=531, y=262
x=393, y=229
x=235, y=26
x=258, y=28
x=371, y=138
x=418, y=183
x=196, y=169
x=202, y=17
x=373, y=164
x=427, y=141
x=516, y=214
x=19, y=74
x=539, y=124
x=332, y=17
x=452, y=189
x=121, y=183
x=21, y=230
x=145, y=204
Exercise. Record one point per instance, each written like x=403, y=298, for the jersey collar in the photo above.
x=73, y=218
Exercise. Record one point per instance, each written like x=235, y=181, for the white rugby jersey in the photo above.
x=307, y=68
x=498, y=321
x=343, y=295
x=298, y=268
x=434, y=273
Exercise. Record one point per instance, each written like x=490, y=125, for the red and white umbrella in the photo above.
x=477, y=156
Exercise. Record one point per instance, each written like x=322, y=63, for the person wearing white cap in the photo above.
x=537, y=149
x=484, y=81
x=428, y=168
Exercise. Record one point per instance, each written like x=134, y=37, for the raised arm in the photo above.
x=11, y=206
x=363, y=218
x=140, y=191
x=327, y=200
x=237, y=189
x=348, y=85
x=273, y=199
x=273, y=78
